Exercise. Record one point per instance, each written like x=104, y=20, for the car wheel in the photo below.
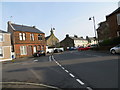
x=44, y=54
x=113, y=52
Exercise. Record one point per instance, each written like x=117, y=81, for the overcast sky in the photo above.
x=66, y=17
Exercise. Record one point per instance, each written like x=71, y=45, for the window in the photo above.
x=42, y=47
x=20, y=36
x=24, y=36
x=23, y=50
x=34, y=49
x=1, y=37
x=118, y=33
x=38, y=47
x=39, y=37
x=118, y=19
x=1, y=52
x=32, y=37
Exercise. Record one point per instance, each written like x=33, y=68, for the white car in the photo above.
x=115, y=49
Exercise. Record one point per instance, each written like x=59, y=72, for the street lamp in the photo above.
x=93, y=18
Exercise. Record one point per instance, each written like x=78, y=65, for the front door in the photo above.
x=29, y=51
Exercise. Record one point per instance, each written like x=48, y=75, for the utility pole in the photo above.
x=93, y=18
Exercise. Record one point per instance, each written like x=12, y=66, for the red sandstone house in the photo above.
x=26, y=40
x=113, y=21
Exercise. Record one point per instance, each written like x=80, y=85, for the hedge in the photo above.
x=110, y=42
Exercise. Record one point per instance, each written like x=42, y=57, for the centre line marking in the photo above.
x=63, y=68
x=80, y=81
x=89, y=88
x=71, y=75
x=67, y=71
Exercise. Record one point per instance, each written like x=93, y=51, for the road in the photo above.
x=71, y=69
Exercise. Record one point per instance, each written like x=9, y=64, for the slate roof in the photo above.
x=47, y=38
x=117, y=10
x=91, y=38
x=1, y=31
x=26, y=28
x=78, y=38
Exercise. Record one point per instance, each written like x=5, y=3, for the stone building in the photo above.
x=5, y=46
x=73, y=42
x=26, y=40
x=52, y=40
x=91, y=40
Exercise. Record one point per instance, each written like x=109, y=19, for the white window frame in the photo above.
x=118, y=19
x=40, y=37
x=32, y=36
x=2, y=52
x=118, y=33
x=20, y=36
x=2, y=37
x=23, y=50
x=42, y=47
x=34, y=49
x=24, y=36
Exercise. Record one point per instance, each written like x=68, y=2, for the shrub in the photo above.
x=110, y=42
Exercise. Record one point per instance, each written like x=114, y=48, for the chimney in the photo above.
x=67, y=35
x=81, y=37
x=87, y=37
x=9, y=22
x=34, y=26
x=75, y=36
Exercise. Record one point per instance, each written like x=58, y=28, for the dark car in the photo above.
x=39, y=53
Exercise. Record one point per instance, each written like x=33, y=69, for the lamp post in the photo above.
x=93, y=18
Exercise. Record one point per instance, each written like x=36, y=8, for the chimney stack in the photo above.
x=34, y=26
x=67, y=35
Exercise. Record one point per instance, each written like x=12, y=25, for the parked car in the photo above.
x=93, y=46
x=39, y=53
x=115, y=49
x=49, y=50
x=83, y=48
x=57, y=50
x=71, y=48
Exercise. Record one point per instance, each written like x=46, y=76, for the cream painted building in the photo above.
x=5, y=46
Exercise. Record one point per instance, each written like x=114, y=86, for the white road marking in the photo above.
x=89, y=88
x=63, y=68
x=60, y=65
x=25, y=83
x=35, y=60
x=71, y=75
x=80, y=81
x=67, y=71
x=50, y=58
x=37, y=76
